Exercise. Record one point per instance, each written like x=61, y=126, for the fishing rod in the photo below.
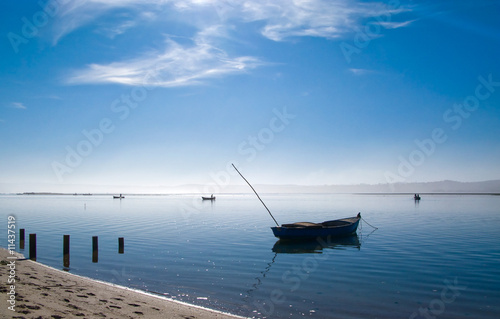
x=257, y=195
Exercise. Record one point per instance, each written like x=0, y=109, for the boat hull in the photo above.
x=344, y=227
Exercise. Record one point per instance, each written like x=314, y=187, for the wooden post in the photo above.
x=33, y=247
x=66, y=251
x=120, y=245
x=21, y=238
x=95, y=253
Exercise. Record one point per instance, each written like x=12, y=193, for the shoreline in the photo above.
x=45, y=292
x=249, y=193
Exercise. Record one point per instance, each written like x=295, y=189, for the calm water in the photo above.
x=441, y=255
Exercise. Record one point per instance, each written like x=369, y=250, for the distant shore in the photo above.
x=489, y=187
x=249, y=193
x=44, y=292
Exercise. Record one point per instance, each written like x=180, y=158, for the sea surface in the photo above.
x=437, y=258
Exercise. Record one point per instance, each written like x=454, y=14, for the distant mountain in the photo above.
x=428, y=187
x=489, y=187
x=492, y=186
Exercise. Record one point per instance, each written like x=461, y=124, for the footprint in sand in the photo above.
x=33, y=307
x=82, y=296
x=113, y=306
x=90, y=294
x=134, y=305
x=103, y=300
x=100, y=314
x=138, y=313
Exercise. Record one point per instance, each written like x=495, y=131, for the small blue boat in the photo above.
x=306, y=230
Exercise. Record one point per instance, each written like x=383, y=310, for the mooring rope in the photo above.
x=368, y=223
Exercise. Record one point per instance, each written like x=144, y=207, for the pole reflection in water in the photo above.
x=304, y=247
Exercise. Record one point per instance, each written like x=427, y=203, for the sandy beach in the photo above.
x=45, y=292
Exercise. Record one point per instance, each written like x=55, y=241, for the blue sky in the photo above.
x=152, y=93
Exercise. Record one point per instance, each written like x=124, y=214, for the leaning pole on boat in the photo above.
x=257, y=195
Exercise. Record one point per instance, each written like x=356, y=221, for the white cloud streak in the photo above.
x=177, y=65
x=395, y=25
x=282, y=18
x=185, y=64
x=360, y=71
x=18, y=105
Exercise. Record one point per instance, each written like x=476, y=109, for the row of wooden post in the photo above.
x=95, y=247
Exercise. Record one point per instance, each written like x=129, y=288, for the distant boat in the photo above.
x=416, y=197
x=306, y=230
x=212, y=197
x=118, y=197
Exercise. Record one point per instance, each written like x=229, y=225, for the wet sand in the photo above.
x=45, y=292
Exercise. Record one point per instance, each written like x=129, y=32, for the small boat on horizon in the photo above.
x=212, y=197
x=118, y=197
x=306, y=230
x=416, y=197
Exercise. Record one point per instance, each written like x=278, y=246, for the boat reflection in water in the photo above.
x=303, y=247
x=316, y=246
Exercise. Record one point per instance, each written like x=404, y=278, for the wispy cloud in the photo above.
x=18, y=105
x=49, y=96
x=115, y=30
x=205, y=56
x=282, y=18
x=176, y=65
x=75, y=14
x=395, y=25
x=360, y=71
x=317, y=18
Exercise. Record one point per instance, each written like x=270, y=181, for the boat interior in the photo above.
x=330, y=223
